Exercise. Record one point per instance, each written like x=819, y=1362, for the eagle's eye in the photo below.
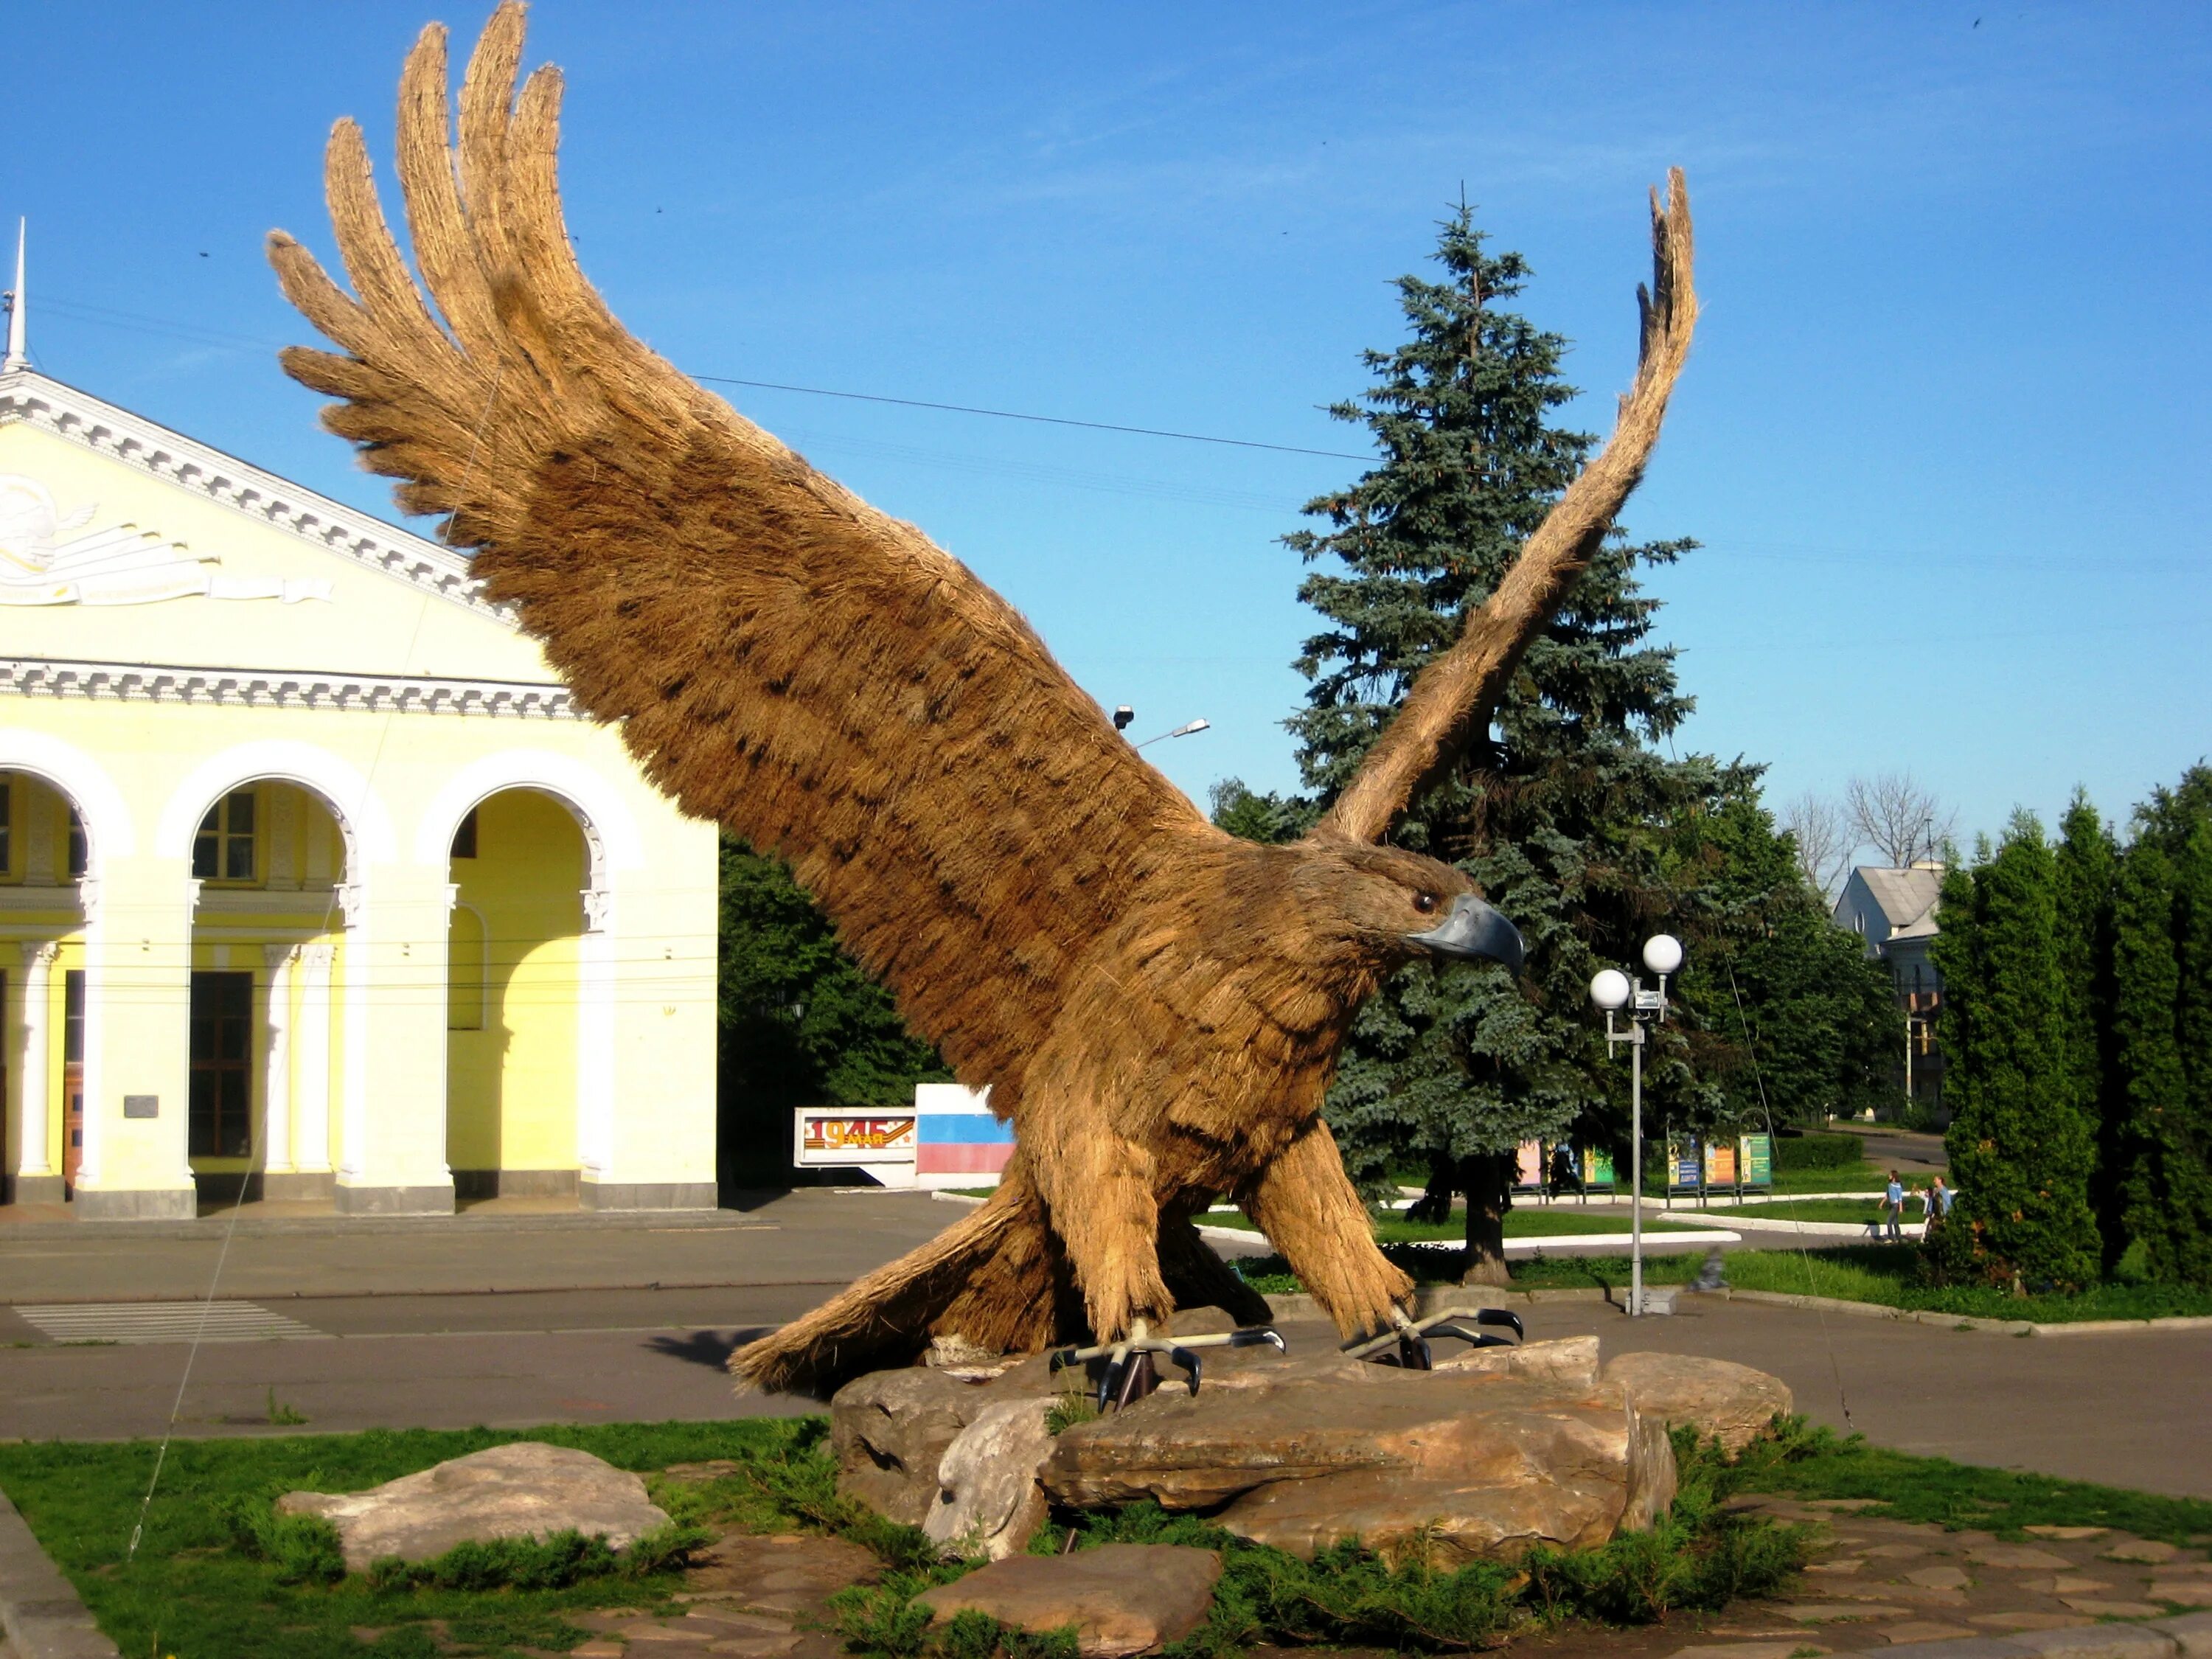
x=1425, y=902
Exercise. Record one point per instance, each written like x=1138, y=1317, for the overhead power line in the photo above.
x=1042, y=419
x=198, y=335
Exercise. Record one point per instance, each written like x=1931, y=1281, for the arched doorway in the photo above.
x=46, y=854
x=271, y=869
x=521, y=863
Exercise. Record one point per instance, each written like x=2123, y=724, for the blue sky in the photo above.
x=1943, y=435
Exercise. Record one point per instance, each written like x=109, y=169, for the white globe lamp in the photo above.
x=1663, y=953
x=1609, y=990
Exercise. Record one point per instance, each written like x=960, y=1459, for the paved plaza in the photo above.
x=514, y=1321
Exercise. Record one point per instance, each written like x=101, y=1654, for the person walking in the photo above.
x=1893, y=1199
x=1938, y=1199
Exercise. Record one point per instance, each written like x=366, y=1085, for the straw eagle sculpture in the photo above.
x=1156, y=1005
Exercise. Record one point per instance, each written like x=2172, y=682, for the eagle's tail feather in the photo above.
x=939, y=1290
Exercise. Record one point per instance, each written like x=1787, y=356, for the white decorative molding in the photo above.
x=350, y=898
x=598, y=910
x=285, y=688
x=38, y=401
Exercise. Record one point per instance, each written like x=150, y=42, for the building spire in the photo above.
x=15, y=359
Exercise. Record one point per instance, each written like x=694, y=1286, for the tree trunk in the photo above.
x=1487, y=1179
x=1435, y=1204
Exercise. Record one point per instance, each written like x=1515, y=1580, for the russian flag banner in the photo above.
x=957, y=1143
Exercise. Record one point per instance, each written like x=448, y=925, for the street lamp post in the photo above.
x=1613, y=991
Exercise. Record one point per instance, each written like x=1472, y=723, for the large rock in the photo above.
x=889, y=1430
x=1568, y=1362
x=1123, y=1599
x=1453, y=1466
x=987, y=1497
x=527, y=1489
x=1723, y=1401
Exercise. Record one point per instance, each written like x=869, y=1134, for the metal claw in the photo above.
x=1133, y=1355
x=1501, y=1316
x=1409, y=1331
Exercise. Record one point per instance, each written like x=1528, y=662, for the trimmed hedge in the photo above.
x=1818, y=1151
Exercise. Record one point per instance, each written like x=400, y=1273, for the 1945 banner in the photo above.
x=822, y=1138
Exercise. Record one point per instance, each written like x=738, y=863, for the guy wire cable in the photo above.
x=1805, y=1255
x=359, y=851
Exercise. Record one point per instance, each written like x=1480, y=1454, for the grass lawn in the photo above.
x=192, y=1592
x=1856, y=1210
x=1883, y=1273
x=1812, y=1463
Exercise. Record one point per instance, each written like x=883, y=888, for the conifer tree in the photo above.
x=2162, y=938
x=2086, y=865
x=2019, y=1144
x=1557, y=813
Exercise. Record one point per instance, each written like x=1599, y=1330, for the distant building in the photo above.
x=314, y=882
x=1894, y=912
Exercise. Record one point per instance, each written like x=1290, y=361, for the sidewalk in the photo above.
x=815, y=1236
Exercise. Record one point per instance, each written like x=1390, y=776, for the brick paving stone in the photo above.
x=2069, y=1534
x=2016, y=1555
x=1895, y=1552
x=1938, y=1577
x=1826, y=1612
x=1848, y=1564
x=2069, y=1584
x=597, y=1650
x=2099, y=1642
x=1916, y=1595
x=2104, y=1609
x=2025, y=1621
x=1746, y=1651
x=1925, y=1630
x=2148, y=1550
x=2189, y=1592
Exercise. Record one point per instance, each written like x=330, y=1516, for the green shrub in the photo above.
x=302, y=1549
x=1818, y=1151
x=555, y=1562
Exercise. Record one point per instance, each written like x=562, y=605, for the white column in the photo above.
x=312, y=1042
x=276, y=1077
x=595, y=1038
x=33, y=1157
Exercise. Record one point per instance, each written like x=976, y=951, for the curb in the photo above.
x=40, y=1611
x=11, y=1300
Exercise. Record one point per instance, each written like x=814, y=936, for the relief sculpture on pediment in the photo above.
x=45, y=560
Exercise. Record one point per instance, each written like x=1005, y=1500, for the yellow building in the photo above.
x=312, y=879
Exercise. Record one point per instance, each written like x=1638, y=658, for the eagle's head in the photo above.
x=1384, y=905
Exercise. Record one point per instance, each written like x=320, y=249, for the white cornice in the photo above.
x=279, y=688
x=51, y=406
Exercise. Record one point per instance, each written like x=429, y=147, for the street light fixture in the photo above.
x=1182, y=731
x=1610, y=991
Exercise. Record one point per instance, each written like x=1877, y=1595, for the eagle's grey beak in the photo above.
x=1472, y=928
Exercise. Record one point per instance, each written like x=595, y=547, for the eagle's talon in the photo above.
x=1131, y=1372
x=1411, y=1337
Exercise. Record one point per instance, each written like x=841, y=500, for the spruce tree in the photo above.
x=1557, y=811
x=2020, y=1146
x=2086, y=865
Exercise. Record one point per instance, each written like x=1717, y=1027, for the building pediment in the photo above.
x=49, y=406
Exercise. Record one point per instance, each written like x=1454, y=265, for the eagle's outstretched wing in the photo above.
x=1454, y=697
x=783, y=658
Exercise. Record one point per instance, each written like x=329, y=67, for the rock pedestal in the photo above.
x=1721, y=1400
x=1452, y=1465
x=889, y=1430
x=527, y=1489
x=1123, y=1599
x=987, y=1498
